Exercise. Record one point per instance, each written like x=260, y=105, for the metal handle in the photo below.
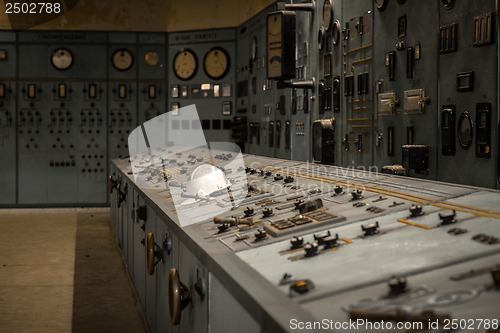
x=154, y=253
x=179, y=296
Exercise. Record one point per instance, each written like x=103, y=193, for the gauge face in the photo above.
x=122, y=60
x=336, y=32
x=327, y=14
x=185, y=64
x=254, y=48
x=62, y=59
x=274, y=23
x=465, y=130
x=216, y=63
x=381, y=4
x=151, y=58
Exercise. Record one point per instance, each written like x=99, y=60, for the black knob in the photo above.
x=397, y=284
x=247, y=169
x=260, y=234
x=253, y=171
x=320, y=238
x=330, y=241
x=370, y=229
x=448, y=218
x=268, y=173
x=311, y=249
x=297, y=242
x=357, y=194
x=249, y=212
x=416, y=210
x=288, y=179
x=223, y=227
x=278, y=176
x=298, y=203
x=267, y=212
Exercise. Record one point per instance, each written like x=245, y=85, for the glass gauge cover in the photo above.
x=62, y=59
x=327, y=14
x=151, y=58
x=122, y=60
x=185, y=64
x=216, y=63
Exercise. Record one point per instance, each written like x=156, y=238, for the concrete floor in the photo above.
x=61, y=271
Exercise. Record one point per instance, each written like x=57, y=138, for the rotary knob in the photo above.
x=397, y=284
x=267, y=212
x=253, y=171
x=370, y=229
x=416, y=210
x=278, y=176
x=260, y=235
x=448, y=218
x=247, y=169
x=288, y=179
x=311, y=249
x=296, y=242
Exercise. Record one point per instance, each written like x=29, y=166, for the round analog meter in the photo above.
x=185, y=64
x=381, y=4
x=122, y=60
x=216, y=63
x=465, y=130
x=254, y=48
x=62, y=59
x=327, y=14
x=151, y=58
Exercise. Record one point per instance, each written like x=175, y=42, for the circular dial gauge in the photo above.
x=336, y=32
x=448, y=3
x=122, y=60
x=465, y=130
x=274, y=25
x=185, y=64
x=254, y=48
x=381, y=4
x=216, y=63
x=151, y=58
x=327, y=14
x=62, y=59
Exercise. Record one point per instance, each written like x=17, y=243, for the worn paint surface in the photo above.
x=139, y=15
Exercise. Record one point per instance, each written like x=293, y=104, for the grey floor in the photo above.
x=61, y=271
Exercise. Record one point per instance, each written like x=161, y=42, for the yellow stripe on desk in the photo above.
x=414, y=224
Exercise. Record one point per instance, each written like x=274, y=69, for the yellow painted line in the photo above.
x=470, y=207
x=361, y=60
x=468, y=211
x=414, y=224
x=347, y=240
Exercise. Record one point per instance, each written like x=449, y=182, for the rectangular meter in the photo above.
x=280, y=32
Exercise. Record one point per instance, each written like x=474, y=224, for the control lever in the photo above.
x=91, y=118
x=61, y=118
x=345, y=142
x=179, y=296
x=308, y=6
x=38, y=119
x=235, y=221
x=69, y=119
x=83, y=119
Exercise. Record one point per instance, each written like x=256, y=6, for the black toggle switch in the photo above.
x=288, y=179
x=267, y=212
x=310, y=206
x=268, y=173
x=448, y=218
x=338, y=189
x=370, y=229
x=311, y=249
x=416, y=210
x=320, y=238
x=223, y=227
x=260, y=235
x=330, y=241
x=297, y=242
x=253, y=171
x=357, y=195
x=278, y=176
x=298, y=203
x=397, y=284
x=249, y=212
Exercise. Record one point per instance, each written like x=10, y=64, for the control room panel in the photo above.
x=368, y=85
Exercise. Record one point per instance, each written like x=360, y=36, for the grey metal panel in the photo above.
x=8, y=36
x=465, y=167
x=151, y=279
x=122, y=38
x=223, y=306
x=79, y=37
x=140, y=271
x=8, y=107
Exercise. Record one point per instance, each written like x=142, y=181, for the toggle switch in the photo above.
x=448, y=218
x=416, y=210
x=311, y=249
x=297, y=242
x=397, y=284
x=370, y=229
x=330, y=241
